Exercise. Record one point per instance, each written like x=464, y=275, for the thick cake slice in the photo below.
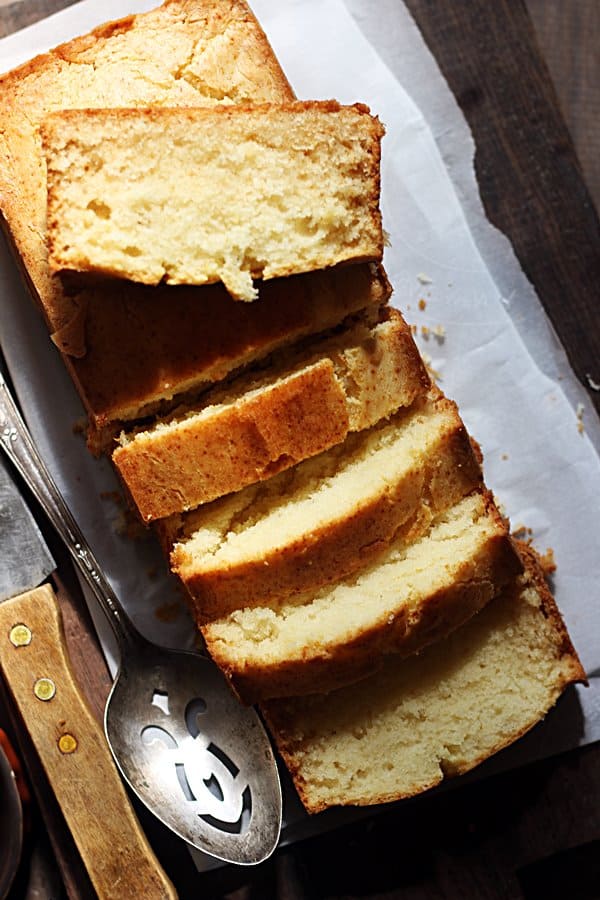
x=413, y=593
x=328, y=516
x=149, y=349
x=231, y=194
x=436, y=715
x=263, y=422
x=133, y=350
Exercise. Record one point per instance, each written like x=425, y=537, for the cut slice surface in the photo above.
x=230, y=193
x=412, y=594
x=324, y=519
x=437, y=714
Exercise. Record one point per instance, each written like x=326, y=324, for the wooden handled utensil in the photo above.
x=68, y=739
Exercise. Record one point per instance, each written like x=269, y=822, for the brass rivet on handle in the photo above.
x=20, y=635
x=67, y=743
x=44, y=689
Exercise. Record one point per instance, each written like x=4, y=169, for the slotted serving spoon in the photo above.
x=198, y=759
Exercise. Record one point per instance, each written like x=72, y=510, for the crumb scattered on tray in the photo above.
x=548, y=561
x=424, y=279
x=434, y=374
x=579, y=413
x=422, y=304
x=126, y=522
x=504, y=456
x=438, y=332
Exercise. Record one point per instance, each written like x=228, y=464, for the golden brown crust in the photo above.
x=146, y=348
x=53, y=123
x=190, y=464
x=534, y=567
x=301, y=413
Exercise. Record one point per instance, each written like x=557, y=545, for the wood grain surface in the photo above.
x=71, y=745
x=529, y=174
x=568, y=34
x=535, y=832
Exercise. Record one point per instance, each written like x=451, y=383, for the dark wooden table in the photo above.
x=522, y=72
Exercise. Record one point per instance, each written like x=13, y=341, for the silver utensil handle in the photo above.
x=21, y=450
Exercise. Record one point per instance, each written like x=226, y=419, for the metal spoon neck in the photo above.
x=126, y=634
x=20, y=448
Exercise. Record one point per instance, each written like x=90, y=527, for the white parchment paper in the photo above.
x=499, y=357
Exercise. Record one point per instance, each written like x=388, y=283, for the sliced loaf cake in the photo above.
x=414, y=592
x=329, y=516
x=231, y=194
x=132, y=350
x=438, y=714
x=263, y=422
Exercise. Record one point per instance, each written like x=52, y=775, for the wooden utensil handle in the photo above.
x=74, y=752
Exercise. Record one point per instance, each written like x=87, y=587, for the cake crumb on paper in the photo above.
x=429, y=366
x=424, y=279
x=579, y=413
x=548, y=561
x=422, y=304
x=438, y=332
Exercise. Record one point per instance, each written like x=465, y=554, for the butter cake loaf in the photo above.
x=436, y=715
x=263, y=422
x=133, y=350
x=414, y=592
x=230, y=194
x=329, y=516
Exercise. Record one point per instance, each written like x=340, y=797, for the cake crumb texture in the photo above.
x=415, y=592
x=328, y=516
x=231, y=194
x=436, y=715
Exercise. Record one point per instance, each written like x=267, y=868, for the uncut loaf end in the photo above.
x=232, y=193
x=436, y=715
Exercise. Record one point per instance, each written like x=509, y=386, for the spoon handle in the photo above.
x=73, y=751
x=21, y=450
